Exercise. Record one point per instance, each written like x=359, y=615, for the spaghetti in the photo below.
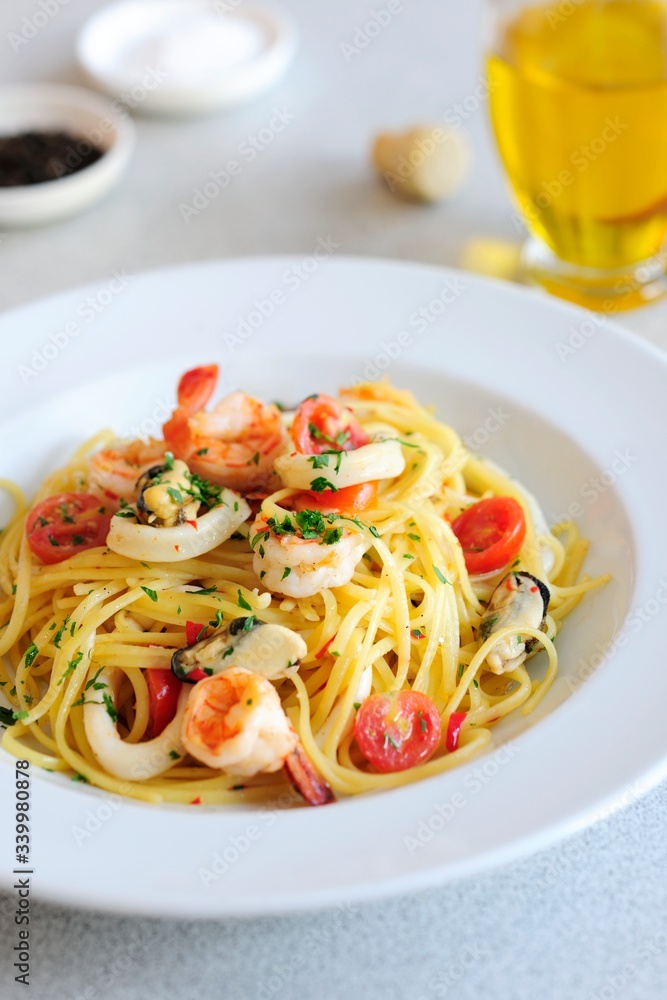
x=82, y=635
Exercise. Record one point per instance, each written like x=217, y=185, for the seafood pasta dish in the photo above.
x=337, y=595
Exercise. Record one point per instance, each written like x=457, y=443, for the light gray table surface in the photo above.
x=585, y=920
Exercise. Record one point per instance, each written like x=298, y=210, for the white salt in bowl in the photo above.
x=186, y=57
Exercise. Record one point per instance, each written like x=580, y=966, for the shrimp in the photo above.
x=115, y=470
x=234, y=721
x=289, y=564
x=235, y=444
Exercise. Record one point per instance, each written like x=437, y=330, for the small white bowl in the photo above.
x=86, y=115
x=186, y=57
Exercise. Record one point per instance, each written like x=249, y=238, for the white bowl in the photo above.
x=584, y=434
x=185, y=57
x=81, y=112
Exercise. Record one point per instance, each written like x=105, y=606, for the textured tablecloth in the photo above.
x=584, y=920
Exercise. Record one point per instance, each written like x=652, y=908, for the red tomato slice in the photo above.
x=193, y=632
x=397, y=731
x=163, y=692
x=349, y=501
x=67, y=523
x=491, y=533
x=454, y=726
x=322, y=424
x=196, y=387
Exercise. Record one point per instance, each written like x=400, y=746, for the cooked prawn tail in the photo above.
x=308, y=782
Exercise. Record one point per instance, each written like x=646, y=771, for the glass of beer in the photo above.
x=578, y=93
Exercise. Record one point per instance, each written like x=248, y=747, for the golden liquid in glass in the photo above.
x=579, y=108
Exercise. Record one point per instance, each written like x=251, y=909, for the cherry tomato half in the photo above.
x=163, y=692
x=349, y=501
x=322, y=424
x=491, y=533
x=65, y=524
x=196, y=387
x=397, y=731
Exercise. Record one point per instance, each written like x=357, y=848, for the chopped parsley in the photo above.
x=242, y=603
x=77, y=776
x=217, y=621
x=415, y=538
x=286, y=573
x=311, y=523
x=175, y=494
x=109, y=705
x=174, y=755
x=392, y=742
x=318, y=435
x=321, y=484
x=94, y=683
x=72, y=665
x=6, y=716
x=151, y=593
x=169, y=459
x=440, y=575
x=284, y=527
x=30, y=654
x=206, y=493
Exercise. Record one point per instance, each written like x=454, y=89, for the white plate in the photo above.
x=89, y=117
x=490, y=356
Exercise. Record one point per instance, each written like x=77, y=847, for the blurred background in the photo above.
x=314, y=179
